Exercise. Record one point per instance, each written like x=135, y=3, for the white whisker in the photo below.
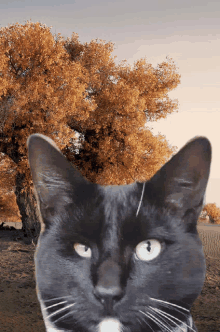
x=67, y=314
x=54, y=305
x=165, y=314
x=147, y=324
x=158, y=321
x=171, y=304
x=57, y=298
x=140, y=199
x=56, y=312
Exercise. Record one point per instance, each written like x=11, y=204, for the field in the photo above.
x=19, y=308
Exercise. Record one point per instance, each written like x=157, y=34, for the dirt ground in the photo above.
x=19, y=307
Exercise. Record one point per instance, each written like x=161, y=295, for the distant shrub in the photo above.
x=213, y=211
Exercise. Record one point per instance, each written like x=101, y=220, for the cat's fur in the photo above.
x=95, y=269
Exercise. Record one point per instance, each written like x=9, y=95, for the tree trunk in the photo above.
x=27, y=205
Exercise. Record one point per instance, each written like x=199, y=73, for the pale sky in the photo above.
x=188, y=31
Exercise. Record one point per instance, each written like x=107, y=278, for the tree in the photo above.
x=8, y=207
x=61, y=88
x=115, y=134
x=213, y=212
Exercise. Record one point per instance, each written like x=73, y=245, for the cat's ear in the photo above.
x=182, y=181
x=55, y=180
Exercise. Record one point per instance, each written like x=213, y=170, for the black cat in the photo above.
x=119, y=258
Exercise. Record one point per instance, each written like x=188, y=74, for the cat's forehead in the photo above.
x=120, y=193
x=120, y=202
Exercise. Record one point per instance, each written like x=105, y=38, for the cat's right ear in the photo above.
x=56, y=181
x=182, y=181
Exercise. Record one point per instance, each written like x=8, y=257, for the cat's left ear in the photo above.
x=182, y=181
x=57, y=183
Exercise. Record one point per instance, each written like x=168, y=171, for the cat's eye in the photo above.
x=148, y=250
x=83, y=250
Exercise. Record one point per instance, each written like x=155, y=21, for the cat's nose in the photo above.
x=108, y=289
x=115, y=292
x=108, y=296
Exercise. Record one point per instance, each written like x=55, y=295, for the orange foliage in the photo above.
x=61, y=88
x=213, y=211
x=8, y=207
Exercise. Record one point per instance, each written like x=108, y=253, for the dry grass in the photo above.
x=211, y=242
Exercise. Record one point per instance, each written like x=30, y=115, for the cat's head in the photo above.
x=119, y=258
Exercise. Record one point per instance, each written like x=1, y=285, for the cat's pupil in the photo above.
x=148, y=246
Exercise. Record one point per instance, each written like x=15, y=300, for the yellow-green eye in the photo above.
x=82, y=250
x=148, y=250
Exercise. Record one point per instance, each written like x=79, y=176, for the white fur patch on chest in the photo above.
x=110, y=325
